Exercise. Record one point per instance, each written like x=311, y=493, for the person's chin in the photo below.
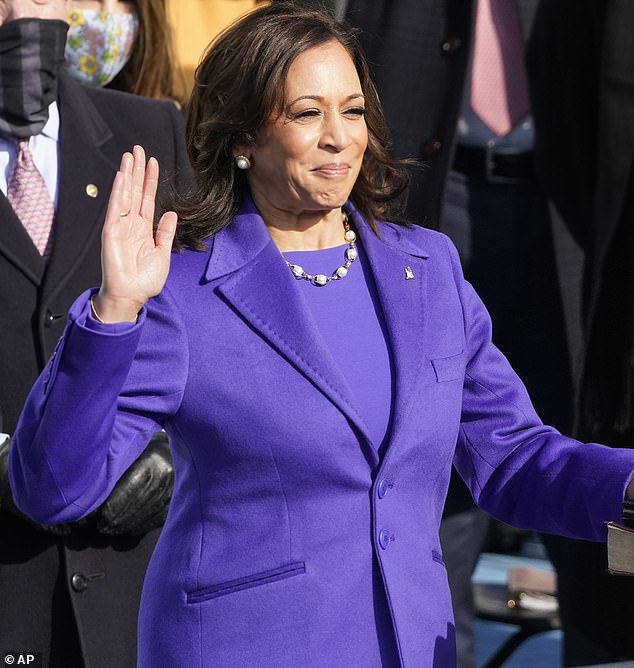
x=327, y=203
x=332, y=190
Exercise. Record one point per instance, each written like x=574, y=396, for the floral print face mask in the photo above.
x=99, y=44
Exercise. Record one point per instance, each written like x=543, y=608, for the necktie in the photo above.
x=499, y=92
x=28, y=195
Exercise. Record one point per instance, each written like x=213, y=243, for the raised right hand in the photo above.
x=134, y=261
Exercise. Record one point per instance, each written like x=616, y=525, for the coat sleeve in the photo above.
x=519, y=470
x=94, y=408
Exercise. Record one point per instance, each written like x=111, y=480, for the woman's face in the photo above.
x=308, y=158
x=111, y=6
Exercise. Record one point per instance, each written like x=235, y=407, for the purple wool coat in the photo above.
x=289, y=542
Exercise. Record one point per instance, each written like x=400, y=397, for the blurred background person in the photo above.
x=70, y=592
x=581, y=67
x=452, y=82
x=124, y=45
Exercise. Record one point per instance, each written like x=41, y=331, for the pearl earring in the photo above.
x=242, y=162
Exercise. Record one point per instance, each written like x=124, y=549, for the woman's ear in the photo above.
x=241, y=149
x=244, y=143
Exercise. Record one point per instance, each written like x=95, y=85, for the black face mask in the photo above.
x=31, y=56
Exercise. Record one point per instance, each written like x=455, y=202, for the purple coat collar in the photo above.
x=236, y=245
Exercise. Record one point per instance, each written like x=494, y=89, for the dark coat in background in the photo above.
x=48, y=583
x=421, y=74
x=581, y=69
x=581, y=65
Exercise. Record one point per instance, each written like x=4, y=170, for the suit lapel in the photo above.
x=86, y=174
x=262, y=290
x=400, y=274
x=16, y=245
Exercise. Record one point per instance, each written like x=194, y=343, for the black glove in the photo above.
x=140, y=500
x=7, y=504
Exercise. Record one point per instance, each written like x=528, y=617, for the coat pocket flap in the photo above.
x=449, y=368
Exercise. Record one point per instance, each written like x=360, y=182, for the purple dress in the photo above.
x=350, y=319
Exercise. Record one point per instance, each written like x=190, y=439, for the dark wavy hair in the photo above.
x=239, y=85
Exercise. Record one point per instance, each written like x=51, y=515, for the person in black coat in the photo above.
x=581, y=72
x=480, y=189
x=72, y=592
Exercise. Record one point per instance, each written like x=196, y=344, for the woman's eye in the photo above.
x=356, y=111
x=307, y=113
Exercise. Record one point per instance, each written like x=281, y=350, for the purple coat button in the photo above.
x=384, y=538
x=384, y=485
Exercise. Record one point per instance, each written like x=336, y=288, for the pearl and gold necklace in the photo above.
x=340, y=272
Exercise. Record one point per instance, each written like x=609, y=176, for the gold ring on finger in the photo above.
x=123, y=214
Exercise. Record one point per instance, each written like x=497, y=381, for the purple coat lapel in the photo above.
x=400, y=273
x=261, y=289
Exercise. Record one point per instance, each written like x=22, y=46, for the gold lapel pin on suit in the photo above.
x=92, y=190
x=409, y=274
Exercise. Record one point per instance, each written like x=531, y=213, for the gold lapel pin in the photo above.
x=409, y=274
x=92, y=190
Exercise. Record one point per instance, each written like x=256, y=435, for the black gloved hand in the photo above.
x=7, y=504
x=140, y=500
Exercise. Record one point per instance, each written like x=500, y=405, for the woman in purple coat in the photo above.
x=317, y=370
